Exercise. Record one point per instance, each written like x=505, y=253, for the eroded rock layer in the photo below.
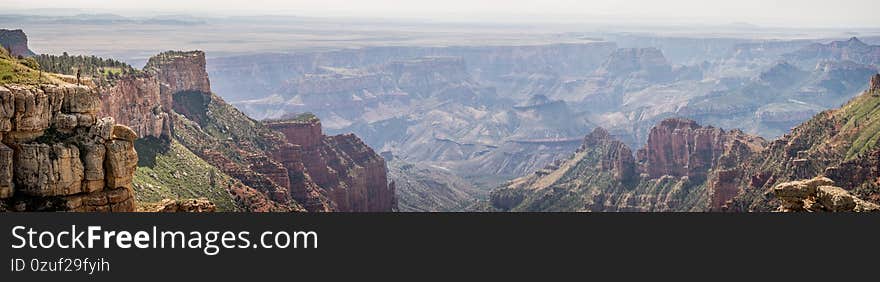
x=293, y=170
x=350, y=174
x=57, y=155
x=687, y=167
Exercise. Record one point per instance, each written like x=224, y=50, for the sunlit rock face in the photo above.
x=57, y=155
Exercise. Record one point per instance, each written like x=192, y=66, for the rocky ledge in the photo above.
x=819, y=195
x=57, y=155
x=188, y=205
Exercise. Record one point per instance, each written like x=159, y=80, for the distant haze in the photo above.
x=779, y=13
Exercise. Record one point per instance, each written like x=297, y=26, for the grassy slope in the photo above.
x=13, y=71
x=862, y=124
x=177, y=173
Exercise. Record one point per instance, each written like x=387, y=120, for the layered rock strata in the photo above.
x=57, y=155
x=350, y=174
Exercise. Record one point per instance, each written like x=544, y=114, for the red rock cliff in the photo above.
x=351, y=175
x=683, y=148
x=179, y=72
x=136, y=101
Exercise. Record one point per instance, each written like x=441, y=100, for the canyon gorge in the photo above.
x=484, y=128
x=159, y=134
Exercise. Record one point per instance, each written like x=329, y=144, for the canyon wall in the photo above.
x=58, y=155
x=298, y=170
x=670, y=173
x=349, y=173
x=179, y=72
x=681, y=147
x=137, y=101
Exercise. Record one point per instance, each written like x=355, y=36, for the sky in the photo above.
x=779, y=13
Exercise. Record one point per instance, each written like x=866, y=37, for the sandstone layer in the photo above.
x=57, y=155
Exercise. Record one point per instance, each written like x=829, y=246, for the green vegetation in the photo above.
x=862, y=124
x=99, y=69
x=305, y=117
x=221, y=122
x=19, y=70
x=166, y=57
x=173, y=172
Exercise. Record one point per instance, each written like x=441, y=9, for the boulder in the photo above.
x=188, y=205
x=122, y=132
x=818, y=194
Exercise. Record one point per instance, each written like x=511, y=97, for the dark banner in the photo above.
x=243, y=247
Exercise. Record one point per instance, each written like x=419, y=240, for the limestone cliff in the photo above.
x=57, y=155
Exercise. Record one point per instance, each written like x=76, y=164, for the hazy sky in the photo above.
x=811, y=13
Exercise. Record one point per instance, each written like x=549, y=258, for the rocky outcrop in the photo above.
x=172, y=99
x=57, y=156
x=350, y=174
x=16, y=42
x=680, y=147
x=839, y=144
x=143, y=101
x=179, y=72
x=619, y=159
x=819, y=194
x=875, y=83
x=683, y=167
x=188, y=205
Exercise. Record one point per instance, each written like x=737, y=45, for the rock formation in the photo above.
x=172, y=99
x=57, y=155
x=179, y=72
x=350, y=174
x=687, y=167
x=875, y=83
x=683, y=167
x=15, y=41
x=819, y=194
x=852, y=50
x=138, y=102
x=189, y=205
x=838, y=144
x=680, y=147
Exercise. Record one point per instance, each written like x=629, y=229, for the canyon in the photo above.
x=825, y=164
x=485, y=127
x=490, y=114
x=172, y=102
x=158, y=139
